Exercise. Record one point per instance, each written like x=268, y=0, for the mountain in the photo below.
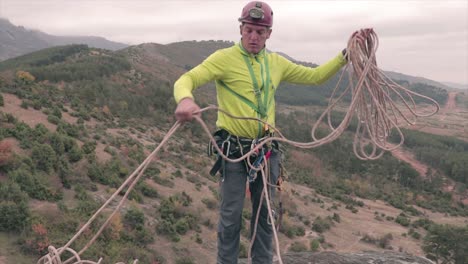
x=76, y=121
x=17, y=40
x=414, y=79
x=457, y=85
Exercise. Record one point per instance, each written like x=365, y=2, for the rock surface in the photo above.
x=387, y=257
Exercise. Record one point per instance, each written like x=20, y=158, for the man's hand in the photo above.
x=186, y=109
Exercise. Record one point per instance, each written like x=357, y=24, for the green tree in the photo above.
x=447, y=244
x=57, y=143
x=14, y=211
x=89, y=147
x=134, y=218
x=75, y=153
x=44, y=157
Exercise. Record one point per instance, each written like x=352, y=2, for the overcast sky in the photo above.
x=427, y=38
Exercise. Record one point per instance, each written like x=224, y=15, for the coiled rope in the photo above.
x=372, y=102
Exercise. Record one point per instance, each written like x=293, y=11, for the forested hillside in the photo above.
x=76, y=121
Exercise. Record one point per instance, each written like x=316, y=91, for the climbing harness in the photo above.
x=234, y=146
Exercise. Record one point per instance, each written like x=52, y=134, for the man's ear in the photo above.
x=240, y=29
x=269, y=33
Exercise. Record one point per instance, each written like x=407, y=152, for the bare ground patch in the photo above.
x=101, y=154
x=30, y=116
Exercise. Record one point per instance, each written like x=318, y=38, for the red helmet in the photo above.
x=257, y=13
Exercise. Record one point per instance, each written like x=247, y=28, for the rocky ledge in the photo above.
x=371, y=257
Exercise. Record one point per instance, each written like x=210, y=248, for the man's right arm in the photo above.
x=205, y=72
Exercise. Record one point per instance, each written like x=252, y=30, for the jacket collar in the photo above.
x=244, y=52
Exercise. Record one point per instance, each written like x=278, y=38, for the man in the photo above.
x=246, y=77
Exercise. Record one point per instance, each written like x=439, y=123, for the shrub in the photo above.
x=148, y=191
x=422, y=222
x=199, y=240
x=403, y=220
x=30, y=184
x=384, y=241
x=14, y=211
x=163, y=181
x=63, y=170
x=24, y=104
x=57, y=112
x=53, y=119
x=321, y=225
x=298, y=247
x=75, y=154
x=5, y=153
x=243, y=250
x=165, y=227
x=446, y=243
x=134, y=218
x=89, y=147
x=175, y=220
x=289, y=229
x=211, y=204
x=37, y=241
x=177, y=174
x=185, y=260
x=336, y=217
x=193, y=178
x=314, y=245
x=44, y=157
x=56, y=141
x=24, y=78
x=143, y=237
x=181, y=226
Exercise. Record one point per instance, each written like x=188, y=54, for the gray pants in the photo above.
x=230, y=217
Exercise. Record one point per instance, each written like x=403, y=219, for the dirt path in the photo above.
x=408, y=157
x=450, y=106
x=451, y=102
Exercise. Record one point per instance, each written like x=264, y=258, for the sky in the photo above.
x=425, y=38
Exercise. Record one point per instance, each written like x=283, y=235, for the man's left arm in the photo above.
x=300, y=74
x=305, y=75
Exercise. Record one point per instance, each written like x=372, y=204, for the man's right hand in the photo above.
x=185, y=110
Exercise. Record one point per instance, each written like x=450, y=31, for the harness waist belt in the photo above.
x=233, y=146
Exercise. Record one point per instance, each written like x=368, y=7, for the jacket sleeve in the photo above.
x=300, y=74
x=210, y=69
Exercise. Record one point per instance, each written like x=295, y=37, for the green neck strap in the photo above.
x=262, y=104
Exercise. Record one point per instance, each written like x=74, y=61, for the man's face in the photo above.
x=254, y=37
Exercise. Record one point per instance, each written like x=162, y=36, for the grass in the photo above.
x=9, y=251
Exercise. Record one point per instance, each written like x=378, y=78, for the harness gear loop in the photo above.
x=252, y=175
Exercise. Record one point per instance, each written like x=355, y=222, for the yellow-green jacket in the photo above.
x=232, y=69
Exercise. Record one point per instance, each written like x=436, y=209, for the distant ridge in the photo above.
x=457, y=85
x=414, y=79
x=18, y=40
